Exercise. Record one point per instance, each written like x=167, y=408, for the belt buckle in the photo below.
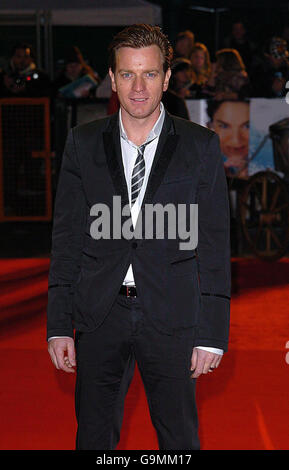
x=128, y=293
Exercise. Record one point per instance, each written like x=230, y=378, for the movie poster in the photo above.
x=231, y=121
x=254, y=134
x=269, y=135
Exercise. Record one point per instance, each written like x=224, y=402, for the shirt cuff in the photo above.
x=205, y=348
x=212, y=350
x=52, y=337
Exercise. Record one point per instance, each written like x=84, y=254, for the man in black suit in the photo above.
x=132, y=295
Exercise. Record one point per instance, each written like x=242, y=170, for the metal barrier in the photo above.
x=25, y=159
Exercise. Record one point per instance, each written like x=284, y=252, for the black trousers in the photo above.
x=105, y=367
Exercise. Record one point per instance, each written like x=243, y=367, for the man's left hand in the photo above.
x=203, y=362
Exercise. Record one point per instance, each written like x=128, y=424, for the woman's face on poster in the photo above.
x=231, y=123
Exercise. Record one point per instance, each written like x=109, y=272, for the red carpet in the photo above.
x=242, y=405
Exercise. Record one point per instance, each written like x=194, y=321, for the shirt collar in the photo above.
x=155, y=132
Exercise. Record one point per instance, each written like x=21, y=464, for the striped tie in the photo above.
x=138, y=174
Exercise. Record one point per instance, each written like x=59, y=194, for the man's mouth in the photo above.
x=139, y=100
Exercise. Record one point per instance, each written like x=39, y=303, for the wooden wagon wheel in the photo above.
x=264, y=213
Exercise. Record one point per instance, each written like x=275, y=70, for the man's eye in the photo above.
x=126, y=75
x=151, y=74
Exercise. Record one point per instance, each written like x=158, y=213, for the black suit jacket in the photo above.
x=182, y=291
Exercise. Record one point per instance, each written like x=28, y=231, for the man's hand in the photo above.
x=62, y=353
x=203, y=362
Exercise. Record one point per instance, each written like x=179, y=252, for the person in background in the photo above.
x=184, y=44
x=201, y=63
x=22, y=77
x=175, y=104
x=229, y=78
x=75, y=68
x=113, y=103
x=182, y=79
x=270, y=71
x=285, y=34
x=239, y=40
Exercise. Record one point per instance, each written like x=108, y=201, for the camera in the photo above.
x=20, y=80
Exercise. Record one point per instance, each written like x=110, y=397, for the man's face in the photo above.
x=276, y=62
x=73, y=69
x=139, y=80
x=238, y=31
x=182, y=78
x=21, y=59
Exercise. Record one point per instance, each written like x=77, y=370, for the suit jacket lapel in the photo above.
x=112, y=147
x=165, y=149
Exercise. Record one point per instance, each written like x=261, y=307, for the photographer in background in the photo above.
x=240, y=40
x=22, y=78
x=182, y=80
x=271, y=70
x=77, y=79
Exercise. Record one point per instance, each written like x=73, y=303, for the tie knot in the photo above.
x=142, y=147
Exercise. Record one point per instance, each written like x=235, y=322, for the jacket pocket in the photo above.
x=182, y=263
x=90, y=262
x=177, y=179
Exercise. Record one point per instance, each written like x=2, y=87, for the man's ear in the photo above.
x=167, y=79
x=111, y=74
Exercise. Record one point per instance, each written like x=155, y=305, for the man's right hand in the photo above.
x=62, y=353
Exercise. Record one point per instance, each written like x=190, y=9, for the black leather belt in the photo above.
x=128, y=291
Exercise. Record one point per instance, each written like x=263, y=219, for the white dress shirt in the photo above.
x=129, y=152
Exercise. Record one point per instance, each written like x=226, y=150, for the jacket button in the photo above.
x=134, y=244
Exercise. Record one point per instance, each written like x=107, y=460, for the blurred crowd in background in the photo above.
x=240, y=69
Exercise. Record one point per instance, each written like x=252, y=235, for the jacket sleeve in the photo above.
x=67, y=236
x=213, y=250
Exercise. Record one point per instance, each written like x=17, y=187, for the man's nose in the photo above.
x=138, y=84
